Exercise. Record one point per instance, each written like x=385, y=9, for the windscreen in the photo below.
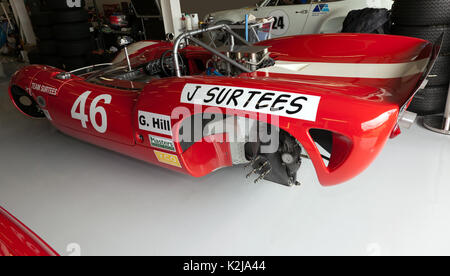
x=119, y=76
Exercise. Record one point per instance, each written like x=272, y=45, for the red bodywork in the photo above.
x=18, y=240
x=362, y=112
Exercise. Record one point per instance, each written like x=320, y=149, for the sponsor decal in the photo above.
x=321, y=9
x=156, y=123
x=278, y=103
x=44, y=89
x=167, y=158
x=162, y=143
x=281, y=23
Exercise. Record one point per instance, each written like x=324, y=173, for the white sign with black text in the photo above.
x=156, y=123
x=278, y=103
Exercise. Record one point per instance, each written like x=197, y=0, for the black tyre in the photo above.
x=54, y=61
x=441, y=70
x=43, y=33
x=75, y=62
x=430, y=100
x=71, y=16
x=34, y=6
x=65, y=4
x=421, y=12
x=430, y=33
x=368, y=21
x=71, y=31
x=47, y=47
x=74, y=48
x=42, y=19
x=45, y=8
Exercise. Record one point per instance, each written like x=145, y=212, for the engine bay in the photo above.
x=188, y=56
x=251, y=57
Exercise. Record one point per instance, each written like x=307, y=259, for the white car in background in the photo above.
x=294, y=17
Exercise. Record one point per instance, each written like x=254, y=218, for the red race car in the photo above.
x=192, y=108
x=18, y=240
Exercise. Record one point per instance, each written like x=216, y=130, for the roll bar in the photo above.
x=190, y=36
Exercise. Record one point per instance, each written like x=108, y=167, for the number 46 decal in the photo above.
x=93, y=111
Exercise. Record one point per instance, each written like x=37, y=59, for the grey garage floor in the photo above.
x=70, y=192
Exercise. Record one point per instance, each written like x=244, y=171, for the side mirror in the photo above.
x=124, y=41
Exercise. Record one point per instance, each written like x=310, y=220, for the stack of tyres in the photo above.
x=427, y=20
x=71, y=31
x=46, y=51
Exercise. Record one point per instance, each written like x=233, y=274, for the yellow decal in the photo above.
x=167, y=158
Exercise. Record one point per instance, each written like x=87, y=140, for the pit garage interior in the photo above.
x=85, y=200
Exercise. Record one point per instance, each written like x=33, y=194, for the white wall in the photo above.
x=204, y=7
x=201, y=7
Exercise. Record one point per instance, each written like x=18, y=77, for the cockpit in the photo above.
x=188, y=56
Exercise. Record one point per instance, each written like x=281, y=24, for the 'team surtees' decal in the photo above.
x=284, y=104
x=156, y=123
x=44, y=88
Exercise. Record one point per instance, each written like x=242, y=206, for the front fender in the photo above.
x=23, y=77
x=37, y=83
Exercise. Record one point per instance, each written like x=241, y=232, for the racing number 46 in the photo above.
x=80, y=104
